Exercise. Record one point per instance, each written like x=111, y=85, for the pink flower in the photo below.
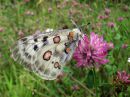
x=49, y=10
x=111, y=24
x=75, y=87
x=124, y=46
x=103, y=17
x=100, y=17
x=1, y=29
x=107, y=11
x=120, y=19
x=21, y=34
x=75, y=3
x=125, y=8
x=29, y=13
x=91, y=52
x=106, y=17
x=60, y=77
x=110, y=45
x=123, y=77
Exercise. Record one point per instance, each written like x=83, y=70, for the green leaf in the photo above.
x=111, y=69
x=66, y=69
x=90, y=79
x=105, y=89
x=118, y=36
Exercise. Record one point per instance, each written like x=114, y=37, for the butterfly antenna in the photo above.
x=73, y=22
x=79, y=27
x=84, y=25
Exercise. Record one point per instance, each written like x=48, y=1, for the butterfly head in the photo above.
x=77, y=35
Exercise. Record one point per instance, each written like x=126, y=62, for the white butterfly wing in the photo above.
x=25, y=49
x=45, y=54
x=47, y=64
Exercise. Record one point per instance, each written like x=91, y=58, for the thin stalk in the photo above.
x=82, y=85
x=94, y=73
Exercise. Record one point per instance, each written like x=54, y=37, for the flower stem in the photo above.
x=82, y=86
x=95, y=77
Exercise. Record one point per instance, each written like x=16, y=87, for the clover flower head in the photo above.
x=107, y=11
x=110, y=45
x=1, y=29
x=91, y=52
x=111, y=24
x=120, y=19
x=123, y=77
x=124, y=46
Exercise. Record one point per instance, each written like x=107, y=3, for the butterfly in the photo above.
x=47, y=53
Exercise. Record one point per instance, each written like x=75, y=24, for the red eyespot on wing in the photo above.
x=71, y=36
x=57, y=65
x=47, y=55
x=56, y=39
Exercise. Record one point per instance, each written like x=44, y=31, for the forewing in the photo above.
x=45, y=53
x=24, y=50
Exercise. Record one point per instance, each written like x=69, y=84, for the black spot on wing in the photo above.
x=45, y=38
x=65, y=51
x=35, y=47
x=35, y=39
x=41, y=68
x=24, y=39
x=65, y=44
x=27, y=55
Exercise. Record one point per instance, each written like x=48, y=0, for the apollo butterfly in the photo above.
x=47, y=53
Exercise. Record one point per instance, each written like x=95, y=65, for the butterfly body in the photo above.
x=47, y=53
